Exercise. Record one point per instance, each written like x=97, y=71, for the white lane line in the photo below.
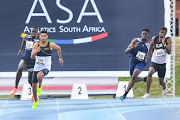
x=3, y=107
x=166, y=104
x=59, y=115
x=116, y=110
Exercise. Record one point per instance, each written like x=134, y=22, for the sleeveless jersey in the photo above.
x=138, y=54
x=160, y=53
x=43, y=58
x=28, y=48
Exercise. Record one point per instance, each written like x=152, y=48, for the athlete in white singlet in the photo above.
x=42, y=52
x=160, y=47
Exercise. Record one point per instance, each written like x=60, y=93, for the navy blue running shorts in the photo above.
x=34, y=79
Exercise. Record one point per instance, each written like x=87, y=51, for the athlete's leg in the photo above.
x=164, y=86
x=133, y=78
x=162, y=83
x=135, y=70
x=22, y=66
x=161, y=75
x=149, y=78
x=132, y=69
x=36, y=99
x=34, y=85
x=30, y=66
x=30, y=74
x=40, y=76
x=138, y=79
x=152, y=69
x=139, y=66
x=131, y=83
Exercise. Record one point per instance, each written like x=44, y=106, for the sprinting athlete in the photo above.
x=138, y=48
x=160, y=47
x=42, y=53
x=26, y=62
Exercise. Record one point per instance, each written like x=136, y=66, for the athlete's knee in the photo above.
x=40, y=75
x=34, y=85
x=133, y=78
x=22, y=65
x=150, y=74
x=30, y=76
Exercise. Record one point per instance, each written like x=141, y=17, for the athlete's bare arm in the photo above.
x=150, y=48
x=58, y=48
x=22, y=45
x=35, y=50
x=168, y=46
x=132, y=45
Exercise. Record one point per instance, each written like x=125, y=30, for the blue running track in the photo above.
x=92, y=109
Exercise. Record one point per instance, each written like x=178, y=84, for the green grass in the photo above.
x=177, y=67
x=6, y=96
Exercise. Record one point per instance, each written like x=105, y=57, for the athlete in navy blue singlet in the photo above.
x=26, y=62
x=138, y=49
x=42, y=54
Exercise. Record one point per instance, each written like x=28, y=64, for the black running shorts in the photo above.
x=160, y=68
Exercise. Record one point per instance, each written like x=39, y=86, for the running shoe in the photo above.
x=14, y=91
x=32, y=98
x=39, y=91
x=122, y=98
x=146, y=95
x=145, y=79
x=35, y=104
x=164, y=91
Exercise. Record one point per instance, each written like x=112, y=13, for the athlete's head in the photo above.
x=145, y=34
x=162, y=32
x=43, y=36
x=34, y=32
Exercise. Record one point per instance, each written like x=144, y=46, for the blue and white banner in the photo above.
x=93, y=34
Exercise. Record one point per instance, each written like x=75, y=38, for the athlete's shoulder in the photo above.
x=168, y=38
x=135, y=39
x=153, y=38
x=26, y=36
x=52, y=44
x=139, y=39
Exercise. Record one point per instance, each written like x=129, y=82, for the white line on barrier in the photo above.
x=116, y=110
x=3, y=107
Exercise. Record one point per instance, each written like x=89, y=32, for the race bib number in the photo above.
x=160, y=52
x=40, y=60
x=140, y=56
x=29, y=45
